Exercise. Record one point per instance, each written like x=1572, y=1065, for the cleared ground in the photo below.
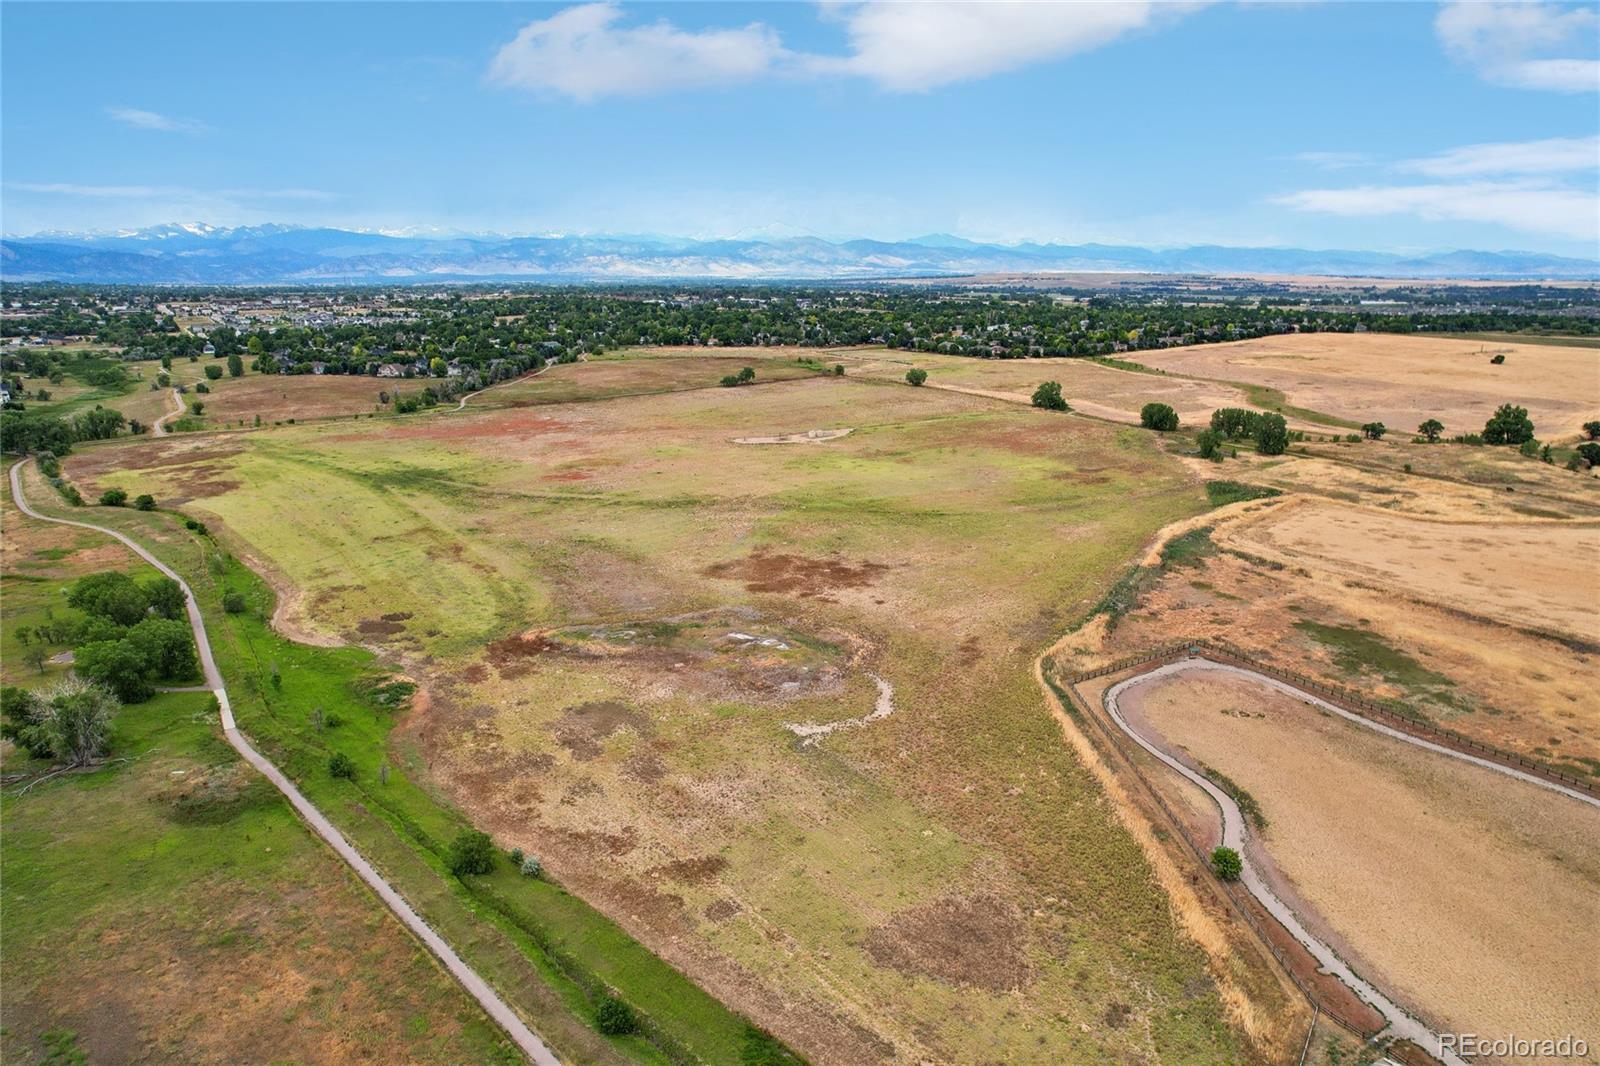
x=1401, y=380
x=615, y=611
x=1373, y=836
x=640, y=372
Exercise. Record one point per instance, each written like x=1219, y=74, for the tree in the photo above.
x=916, y=376
x=1589, y=452
x=1226, y=862
x=118, y=665
x=1374, y=430
x=342, y=766
x=1272, y=435
x=471, y=852
x=71, y=721
x=236, y=365
x=1158, y=416
x=614, y=1017
x=1048, y=396
x=213, y=371
x=838, y=372
x=197, y=407
x=1431, y=430
x=18, y=710
x=165, y=596
x=144, y=502
x=166, y=646
x=1235, y=422
x=111, y=595
x=233, y=602
x=1508, y=425
x=1210, y=442
x=437, y=367
x=747, y=375
x=1592, y=430
x=114, y=498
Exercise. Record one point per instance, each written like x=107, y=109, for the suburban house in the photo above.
x=391, y=370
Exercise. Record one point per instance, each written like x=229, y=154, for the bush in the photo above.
x=531, y=866
x=1374, y=430
x=1048, y=396
x=1589, y=452
x=197, y=407
x=144, y=502
x=113, y=498
x=916, y=376
x=838, y=370
x=1592, y=430
x=1227, y=864
x=202, y=387
x=213, y=371
x=233, y=602
x=471, y=852
x=1210, y=442
x=1158, y=416
x=342, y=766
x=1530, y=448
x=614, y=1017
x=1498, y=359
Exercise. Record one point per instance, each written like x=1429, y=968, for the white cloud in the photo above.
x=583, y=53
x=1531, y=207
x=910, y=47
x=1510, y=43
x=1334, y=160
x=152, y=120
x=1554, y=155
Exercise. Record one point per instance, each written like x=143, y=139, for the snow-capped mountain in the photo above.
x=200, y=254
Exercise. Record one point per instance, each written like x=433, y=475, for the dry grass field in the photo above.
x=280, y=397
x=641, y=372
x=617, y=613
x=1375, y=838
x=1090, y=387
x=1401, y=380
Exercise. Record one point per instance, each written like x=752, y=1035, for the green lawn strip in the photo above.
x=1222, y=493
x=401, y=827
x=1270, y=399
x=1554, y=339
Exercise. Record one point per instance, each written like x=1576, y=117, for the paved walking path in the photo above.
x=1400, y=1023
x=476, y=986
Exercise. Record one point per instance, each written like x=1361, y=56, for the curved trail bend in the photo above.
x=1400, y=1023
x=497, y=1009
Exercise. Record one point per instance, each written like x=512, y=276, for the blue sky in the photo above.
x=1377, y=126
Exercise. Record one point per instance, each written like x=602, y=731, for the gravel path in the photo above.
x=1400, y=1023
x=524, y=1037
x=160, y=427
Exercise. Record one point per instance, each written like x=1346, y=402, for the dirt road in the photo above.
x=1400, y=1023
x=497, y=1009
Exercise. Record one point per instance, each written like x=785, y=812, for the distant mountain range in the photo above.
x=197, y=254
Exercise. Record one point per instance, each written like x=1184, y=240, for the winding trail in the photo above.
x=1400, y=1023
x=160, y=426
x=497, y=1009
x=809, y=733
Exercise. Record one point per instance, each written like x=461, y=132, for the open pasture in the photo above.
x=616, y=613
x=1090, y=387
x=1372, y=837
x=635, y=372
x=279, y=397
x=1401, y=380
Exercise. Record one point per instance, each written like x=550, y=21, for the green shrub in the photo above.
x=1158, y=416
x=1508, y=425
x=531, y=866
x=471, y=852
x=1226, y=863
x=144, y=502
x=114, y=498
x=916, y=376
x=614, y=1017
x=1048, y=396
x=341, y=765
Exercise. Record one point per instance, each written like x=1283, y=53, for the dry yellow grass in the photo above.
x=1451, y=882
x=1401, y=380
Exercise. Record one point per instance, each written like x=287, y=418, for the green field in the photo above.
x=815, y=888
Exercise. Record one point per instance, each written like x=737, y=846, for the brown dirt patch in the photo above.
x=581, y=729
x=799, y=574
x=720, y=910
x=960, y=940
x=380, y=627
x=693, y=871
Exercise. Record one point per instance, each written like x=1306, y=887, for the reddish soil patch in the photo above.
x=580, y=729
x=720, y=910
x=511, y=423
x=960, y=940
x=798, y=574
x=692, y=871
x=380, y=627
x=509, y=656
x=567, y=475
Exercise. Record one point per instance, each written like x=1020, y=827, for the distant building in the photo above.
x=391, y=370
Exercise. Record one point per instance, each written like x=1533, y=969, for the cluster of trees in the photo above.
x=34, y=432
x=1269, y=431
x=745, y=376
x=131, y=635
